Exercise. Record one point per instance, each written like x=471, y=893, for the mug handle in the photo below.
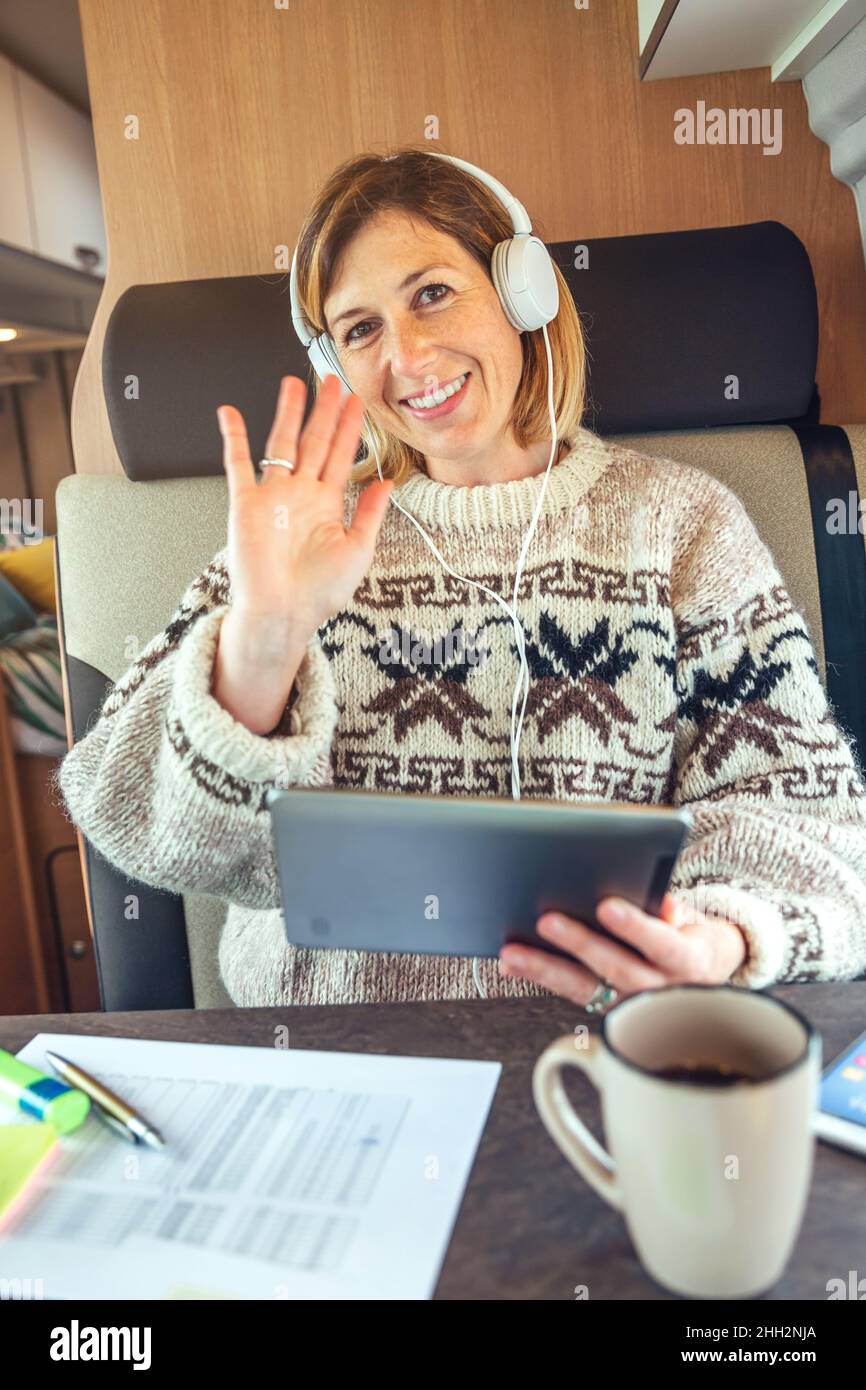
x=580, y=1147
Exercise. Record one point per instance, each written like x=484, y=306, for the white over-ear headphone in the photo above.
x=524, y=278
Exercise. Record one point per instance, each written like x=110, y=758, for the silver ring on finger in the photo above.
x=603, y=996
x=281, y=463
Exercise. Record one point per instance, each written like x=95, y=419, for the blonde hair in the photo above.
x=413, y=181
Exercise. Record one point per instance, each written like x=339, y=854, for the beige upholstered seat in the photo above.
x=144, y=543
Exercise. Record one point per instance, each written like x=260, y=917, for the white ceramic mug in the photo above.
x=712, y=1180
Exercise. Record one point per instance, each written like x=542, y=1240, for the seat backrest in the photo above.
x=702, y=348
x=143, y=546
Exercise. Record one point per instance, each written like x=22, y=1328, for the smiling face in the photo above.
x=411, y=312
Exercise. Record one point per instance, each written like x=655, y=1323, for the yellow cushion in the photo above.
x=30, y=568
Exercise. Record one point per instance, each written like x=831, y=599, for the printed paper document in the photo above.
x=288, y=1173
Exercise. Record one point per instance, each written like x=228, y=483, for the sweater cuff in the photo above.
x=223, y=740
x=760, y=921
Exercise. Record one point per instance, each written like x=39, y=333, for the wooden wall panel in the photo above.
x=34, y=459
x=24, y=972
x=13, y=481
x=45, y=422
x=243, y=109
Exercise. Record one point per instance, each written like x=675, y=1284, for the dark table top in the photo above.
x=529, y=1226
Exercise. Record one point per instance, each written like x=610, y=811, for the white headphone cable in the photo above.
x=523, y=674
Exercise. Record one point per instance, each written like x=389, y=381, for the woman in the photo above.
x=667, y=662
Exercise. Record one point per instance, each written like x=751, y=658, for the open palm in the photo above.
x=290, y=557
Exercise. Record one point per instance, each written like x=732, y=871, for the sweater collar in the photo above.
x=449, y=506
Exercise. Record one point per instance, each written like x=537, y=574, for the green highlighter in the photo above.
x=48, y=1099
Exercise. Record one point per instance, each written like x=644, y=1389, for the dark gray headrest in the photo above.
x=684, y=329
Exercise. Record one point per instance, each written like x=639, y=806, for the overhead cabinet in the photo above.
x=680, y=38
x=16, y=227
x=50, y=203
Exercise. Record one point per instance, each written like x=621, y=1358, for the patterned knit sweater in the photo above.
x=667, y=664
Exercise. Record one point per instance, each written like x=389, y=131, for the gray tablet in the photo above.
x=441, y=875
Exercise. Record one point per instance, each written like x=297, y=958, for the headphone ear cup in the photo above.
x=325, y=361
x=525, y=281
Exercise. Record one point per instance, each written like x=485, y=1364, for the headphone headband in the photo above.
x=522, y=273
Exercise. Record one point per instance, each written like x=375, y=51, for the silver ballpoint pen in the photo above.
x=109, y=1106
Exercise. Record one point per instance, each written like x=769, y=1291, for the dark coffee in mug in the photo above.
x=704, y=1074
x=679, y=1070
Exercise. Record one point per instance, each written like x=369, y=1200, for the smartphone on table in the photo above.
x=841, y=1118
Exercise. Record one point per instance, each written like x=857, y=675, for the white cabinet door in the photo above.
x=61, y=164
x=15, y=226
